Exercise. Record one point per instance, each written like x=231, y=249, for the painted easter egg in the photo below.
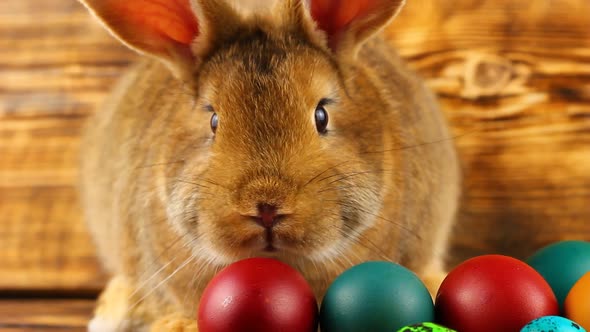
x=258, y=294
x=577, y=302
x=376, y=297
x=425, y=327
x=552, y=323
x=493, y=293
x=562, y=264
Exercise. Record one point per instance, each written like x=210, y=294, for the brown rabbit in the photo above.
x=294, y=133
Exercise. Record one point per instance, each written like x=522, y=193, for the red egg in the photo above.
x=493, y=293
x=258, y=294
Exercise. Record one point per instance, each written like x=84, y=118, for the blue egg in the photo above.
x=552, y=323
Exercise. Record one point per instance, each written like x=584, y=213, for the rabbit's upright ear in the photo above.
x=177, y=32
x=346, y=24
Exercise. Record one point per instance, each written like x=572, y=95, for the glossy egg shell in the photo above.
x=258, y=294
x=552, y=323
x=376, y=297
x=562, y=264
x=493, y=293
x=425, y=327
x=577, y=302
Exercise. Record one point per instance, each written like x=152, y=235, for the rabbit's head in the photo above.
x=288, y=122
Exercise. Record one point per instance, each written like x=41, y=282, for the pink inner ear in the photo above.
x=333, y=16
x=171, y=19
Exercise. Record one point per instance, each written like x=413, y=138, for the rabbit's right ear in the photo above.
x=177, y=32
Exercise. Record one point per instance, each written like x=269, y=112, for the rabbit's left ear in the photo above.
x=176, y=32
x=346, y=24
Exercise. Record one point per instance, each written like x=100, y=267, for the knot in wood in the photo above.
x=486, y=75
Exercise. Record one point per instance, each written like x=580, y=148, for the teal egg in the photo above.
x=562, y=264
x=425, y=327
x=376, y=297
x=552, y=323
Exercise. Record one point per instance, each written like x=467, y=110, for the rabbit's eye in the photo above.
x=214, y=122
x=321, y=118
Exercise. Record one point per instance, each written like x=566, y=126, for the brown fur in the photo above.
x=164, y=197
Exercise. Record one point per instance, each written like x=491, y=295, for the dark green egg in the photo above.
x=425, y=327
x=562, y=264
x=375, y=297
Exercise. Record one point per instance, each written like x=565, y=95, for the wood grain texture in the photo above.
x=513, y=78
x=56, y=65
x=514, y=81
x=44, y=315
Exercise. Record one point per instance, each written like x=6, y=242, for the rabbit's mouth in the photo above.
x=270, y=247
x=284, y=240
x=268, y=242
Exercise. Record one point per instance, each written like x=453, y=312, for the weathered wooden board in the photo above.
x=513, y=77
x=44, y=315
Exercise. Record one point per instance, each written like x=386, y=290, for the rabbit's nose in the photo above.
x=267, y=215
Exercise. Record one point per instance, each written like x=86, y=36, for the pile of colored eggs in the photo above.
x=488, y=293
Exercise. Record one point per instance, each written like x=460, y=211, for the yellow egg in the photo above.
x=577, y=302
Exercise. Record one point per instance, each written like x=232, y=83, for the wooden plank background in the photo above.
x=55, y=315
x=513, y=77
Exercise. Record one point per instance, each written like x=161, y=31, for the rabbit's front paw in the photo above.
x=114, y=312
x=174, y=323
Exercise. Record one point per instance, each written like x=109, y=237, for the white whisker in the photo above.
x=204, y=264
x=185, y=263
x=143, y=283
